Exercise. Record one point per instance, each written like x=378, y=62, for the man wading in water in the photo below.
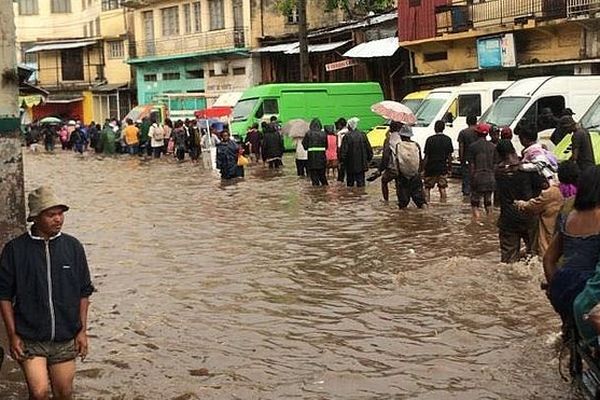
x=44, y=297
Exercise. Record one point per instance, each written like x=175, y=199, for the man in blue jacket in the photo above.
x=44, y=298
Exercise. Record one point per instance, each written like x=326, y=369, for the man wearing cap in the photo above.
x=482, y=158
x=356, y=154
x=44, y=297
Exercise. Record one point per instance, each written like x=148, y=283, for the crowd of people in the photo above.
x=148, y=137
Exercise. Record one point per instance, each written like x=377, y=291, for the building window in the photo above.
x=187, y=18
x=85, y=32
x=91, y=28
x=216, y=9
x=83, y=4
x=171, y=76
x=110, y=4
x=28, y=58
x=414, y=3
x=28, y=7
x=98, y=33
x=60, y=6
x=116, y=49
x=437, y=56
x=197, y=17
x=195, y=74
x=239, y=71
x=170, y=21
x=292, y=17
x=150, y=78
x=71, y=62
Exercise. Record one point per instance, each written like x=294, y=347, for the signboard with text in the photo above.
x=340, y=65
x=496, y=52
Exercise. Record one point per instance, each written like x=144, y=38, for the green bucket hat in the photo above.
x=42, y=199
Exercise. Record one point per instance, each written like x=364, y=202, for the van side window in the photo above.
x=469, y=104
x=270, y=106
x=260, y=111
x=532, y=117
x=496, y=93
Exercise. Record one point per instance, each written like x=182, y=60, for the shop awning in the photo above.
x=109, y=87
x=319, y=48
x=60, y=46
x=375, y=48
x=277, y=48
x=63, y=100
x=31, y=100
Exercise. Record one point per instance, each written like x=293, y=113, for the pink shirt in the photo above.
x=332, y=148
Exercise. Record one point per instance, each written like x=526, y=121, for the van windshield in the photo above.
x=243, y=108
x=430, y=107
x=504, y=111
x=591, y=118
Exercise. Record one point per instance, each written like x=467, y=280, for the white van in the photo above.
x=525, y=99
x=452, y=105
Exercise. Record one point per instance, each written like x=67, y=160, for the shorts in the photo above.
x=440, y=180
x=476, y=199
x=332, y=163
x=388, y=176
x=53, y=352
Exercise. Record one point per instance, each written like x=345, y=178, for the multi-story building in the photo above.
x=78, y=49
x=184, y=46
x=453, y=41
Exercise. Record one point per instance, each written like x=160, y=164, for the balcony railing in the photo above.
x=583, y=9
x=465, y=14
x=222, y=39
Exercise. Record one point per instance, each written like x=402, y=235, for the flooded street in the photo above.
x=271, y=289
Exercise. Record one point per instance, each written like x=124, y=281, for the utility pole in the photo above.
x=12, y=192
x=305, y=75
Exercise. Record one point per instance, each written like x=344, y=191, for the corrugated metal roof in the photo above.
x=277, y=48
x=375, y=48
x=60, y=46
x=319, y=48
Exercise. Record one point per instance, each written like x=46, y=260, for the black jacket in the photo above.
x=315, y=143
x=45, y=300
x=356, y=152
x=272, y=145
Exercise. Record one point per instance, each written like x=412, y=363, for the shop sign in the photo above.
x=340, y=65
x=496, y=52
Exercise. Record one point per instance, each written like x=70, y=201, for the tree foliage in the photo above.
x=352, y=8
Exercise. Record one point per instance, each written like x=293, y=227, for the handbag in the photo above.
x=242, y=161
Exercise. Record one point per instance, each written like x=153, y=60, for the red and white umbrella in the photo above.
x=395, y=111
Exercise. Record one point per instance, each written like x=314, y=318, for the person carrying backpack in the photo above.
x=156, y=135
x=407, y=153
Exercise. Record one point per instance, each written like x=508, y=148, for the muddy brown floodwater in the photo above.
x=270, y=289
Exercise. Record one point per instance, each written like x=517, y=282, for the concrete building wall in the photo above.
x=47, y=25
x=558, y=43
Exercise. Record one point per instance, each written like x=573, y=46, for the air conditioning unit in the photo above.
x=220, y=68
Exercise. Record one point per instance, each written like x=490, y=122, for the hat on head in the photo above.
x=406, y=131
x=483, y=129
x=353, y=123
x=42, y=199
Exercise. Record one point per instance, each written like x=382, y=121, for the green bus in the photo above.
x=287, y=101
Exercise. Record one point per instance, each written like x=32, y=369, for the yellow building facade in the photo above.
x=540, y=37
x=78, y=49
